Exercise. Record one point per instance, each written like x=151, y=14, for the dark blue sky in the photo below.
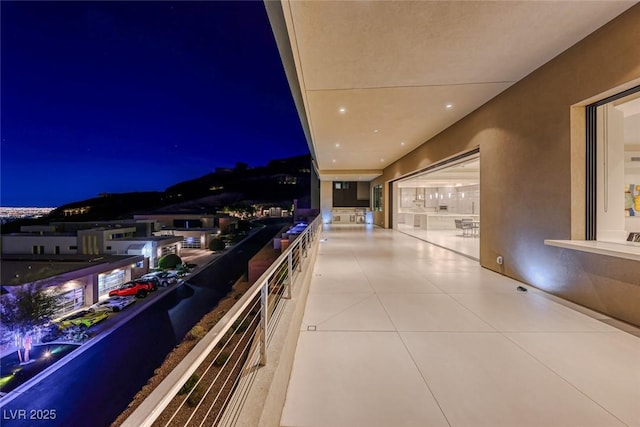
x=136, y=96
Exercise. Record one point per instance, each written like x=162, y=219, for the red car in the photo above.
x=139, y=289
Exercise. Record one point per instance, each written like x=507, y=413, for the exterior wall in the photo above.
x=91, y=290
x=136, y=272
x=531, y=140
x=90, y=242
x=326, y=200
x=119, y=233
x=227, y=224
x=352, y=196
x=88, y=282
x=201, y=236
x=166, y=220
x=120, y=247
x=23, y=244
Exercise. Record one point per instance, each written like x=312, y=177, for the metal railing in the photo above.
x=209, y=385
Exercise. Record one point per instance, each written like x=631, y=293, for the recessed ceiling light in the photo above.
x=402, y=143
x=334, y=160
x=376, y=130
x=342, y=110
x=381, y=160
x=449, y=106
x=337, y=145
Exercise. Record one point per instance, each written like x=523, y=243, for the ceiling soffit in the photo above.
x=395, y=65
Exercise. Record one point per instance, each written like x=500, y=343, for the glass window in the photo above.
x=192, y=243
x=107, y=282
x=70, y=301
x=377, y=198
x=441, y=205
x=617, y=168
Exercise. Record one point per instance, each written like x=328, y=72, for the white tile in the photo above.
x=332, y=283
x=490, y=355
x=338, y=262
x=483, y=379
x=354, y=379
x=519, y=312
x=430, y=312
x=604, y=366
x=452, y=239
x=346, y=312
x=393, y=280
x=481, y=281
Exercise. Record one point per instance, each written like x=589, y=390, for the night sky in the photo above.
x=136, y=96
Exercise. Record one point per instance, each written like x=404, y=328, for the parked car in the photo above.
x=84, y=318
x=138, y=289
x=165, y=278
x=153, y=282
x=115, y=303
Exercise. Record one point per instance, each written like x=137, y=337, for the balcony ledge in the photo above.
x=619, y=250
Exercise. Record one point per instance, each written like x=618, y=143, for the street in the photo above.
x=95, y=387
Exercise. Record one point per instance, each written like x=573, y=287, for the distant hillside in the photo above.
x=278, y=180
x=278, y=183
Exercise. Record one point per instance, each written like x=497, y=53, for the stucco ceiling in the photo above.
x=377, y=76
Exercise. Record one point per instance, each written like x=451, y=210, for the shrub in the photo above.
x=221, y=359
x=241, y=326
x=169, y=261
x=195, y=396
x=188, y=386
x=228, y=336
x=216, y=244
x=196, y=333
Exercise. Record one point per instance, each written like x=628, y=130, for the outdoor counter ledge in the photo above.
x=618, y=250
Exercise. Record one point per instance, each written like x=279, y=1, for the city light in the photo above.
x=8, y=214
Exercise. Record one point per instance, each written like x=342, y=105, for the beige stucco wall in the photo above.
x=532, y=171
x=326, y=200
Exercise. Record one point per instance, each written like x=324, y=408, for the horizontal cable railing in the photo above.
x=209, y=385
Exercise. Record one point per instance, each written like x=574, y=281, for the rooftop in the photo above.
x=21, y=269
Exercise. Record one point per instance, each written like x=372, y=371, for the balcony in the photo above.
x=383, y=329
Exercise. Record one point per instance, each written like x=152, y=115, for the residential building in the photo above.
x=81, y=280
x=195, y=229
x=519, y=122
x=401, y=96
x=92, y=238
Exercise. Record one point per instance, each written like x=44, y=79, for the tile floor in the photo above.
x=450, y=239
x=399, y=332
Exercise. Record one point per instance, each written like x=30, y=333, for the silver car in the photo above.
x=114, y=303
x=165, y=278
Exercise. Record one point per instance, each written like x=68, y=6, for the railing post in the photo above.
x=289, y=273
x=264, y=322
x=306, y=244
